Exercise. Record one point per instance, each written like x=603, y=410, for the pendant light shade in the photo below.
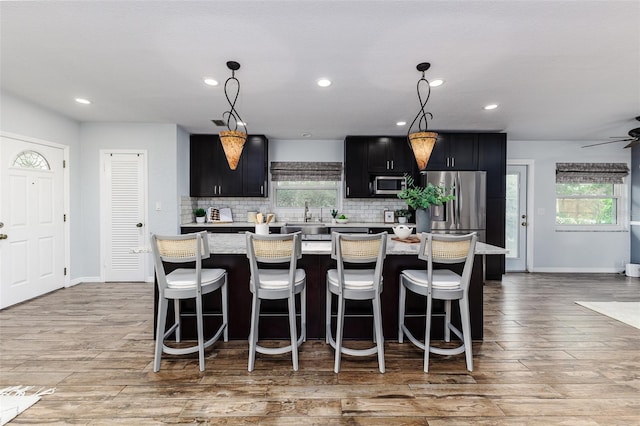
x=233, y=140
x=422, y=144
x=421, y=140
x=232, y=143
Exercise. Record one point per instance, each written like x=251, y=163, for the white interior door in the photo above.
x=124, y=187
x=32, y=243
x=516, y=219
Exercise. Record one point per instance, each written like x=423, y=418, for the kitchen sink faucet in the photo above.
x=307, y=214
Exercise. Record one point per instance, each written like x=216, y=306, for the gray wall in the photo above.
x=160, y=142
x=555, y=251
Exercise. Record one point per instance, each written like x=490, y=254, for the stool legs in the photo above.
x=339, y=328
x=379, y=338
x=163, y=305
x=253, y=334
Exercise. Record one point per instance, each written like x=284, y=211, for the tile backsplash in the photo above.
x=357, y=210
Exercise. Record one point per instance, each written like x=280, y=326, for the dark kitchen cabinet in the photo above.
x=389, y=155
x=254, y=166
x=356, y=176
x=210, y=175
x=492, y=157
x=454, y=151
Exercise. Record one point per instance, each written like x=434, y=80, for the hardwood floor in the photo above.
x=544, y=361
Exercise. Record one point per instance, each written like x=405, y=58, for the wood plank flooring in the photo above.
x=544, y=361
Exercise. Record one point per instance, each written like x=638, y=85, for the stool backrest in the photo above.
x=449, y=249
x=178, y=249
x=359, y=248
x=273, y=248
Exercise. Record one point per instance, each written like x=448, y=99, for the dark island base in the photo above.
x=358, y=320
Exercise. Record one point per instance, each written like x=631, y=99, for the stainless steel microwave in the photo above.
x=389, y=184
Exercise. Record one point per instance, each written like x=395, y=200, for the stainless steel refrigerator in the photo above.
x=467, y=213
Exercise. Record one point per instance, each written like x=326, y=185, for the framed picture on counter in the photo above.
x=389, y=216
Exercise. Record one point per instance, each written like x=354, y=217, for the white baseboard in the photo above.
x=565, y=270
x=76, y=281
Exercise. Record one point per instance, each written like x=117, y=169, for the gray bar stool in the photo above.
x=356, y=284
x=441, y=284
x=272, y=284
x=185, y=283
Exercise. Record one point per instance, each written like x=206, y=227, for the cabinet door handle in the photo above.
x=391, y=164
x=347, y=191
x=262, y=189
x=219, y=189
x=447, y=161
x=453, y=161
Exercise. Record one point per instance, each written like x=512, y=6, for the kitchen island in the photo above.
x=228, y=251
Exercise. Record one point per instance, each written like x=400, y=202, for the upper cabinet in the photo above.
x=356, y=176
x=366, y=157
x=454, y=151
x=492, y=157
x=210, y=175
x=389, y=155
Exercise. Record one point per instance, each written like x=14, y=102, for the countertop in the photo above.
x=280, y=224
x=236, y=244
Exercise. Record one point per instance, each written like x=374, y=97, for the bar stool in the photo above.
x=275, y=284
x=441, y=284
x=356, y=284
x=185, y=283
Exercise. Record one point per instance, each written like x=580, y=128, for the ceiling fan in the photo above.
x=633, y=139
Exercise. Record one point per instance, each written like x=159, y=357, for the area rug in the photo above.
x=16, y=399
x=626, y=312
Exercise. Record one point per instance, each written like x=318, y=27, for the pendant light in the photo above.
x=421, y=140
x=233, y=139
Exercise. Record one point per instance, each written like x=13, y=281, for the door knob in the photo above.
x=3, y=236
x=138, y=225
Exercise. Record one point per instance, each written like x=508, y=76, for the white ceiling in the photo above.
x=560, y=70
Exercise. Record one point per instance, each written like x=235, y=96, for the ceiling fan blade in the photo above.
x=635, y=142
x=600, y=143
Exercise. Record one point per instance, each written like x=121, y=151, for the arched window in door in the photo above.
x=31, y=160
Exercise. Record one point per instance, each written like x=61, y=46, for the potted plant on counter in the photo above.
x=422, y=198
x=200, y=215
x=403, y=215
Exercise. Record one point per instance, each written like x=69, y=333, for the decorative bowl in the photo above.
x=402, y=231
x=342, y=220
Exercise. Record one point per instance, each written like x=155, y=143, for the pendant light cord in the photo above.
x=422, y=114
x=233, y=113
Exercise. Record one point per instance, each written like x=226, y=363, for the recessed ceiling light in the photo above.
x=306, y=135
x=491, y=106
x=211, y=82
x=436, y=83
x=83, y=101
x=323, y=82
x=401, y=123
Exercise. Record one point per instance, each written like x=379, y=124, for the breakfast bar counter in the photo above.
x=228, y=251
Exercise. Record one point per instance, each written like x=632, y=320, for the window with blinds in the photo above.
x=591, y=196
x=316, y=183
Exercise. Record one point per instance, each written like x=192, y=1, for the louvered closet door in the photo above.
x=125, y=186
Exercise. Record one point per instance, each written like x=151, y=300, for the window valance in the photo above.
x=591, y=172
x=306, y=171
